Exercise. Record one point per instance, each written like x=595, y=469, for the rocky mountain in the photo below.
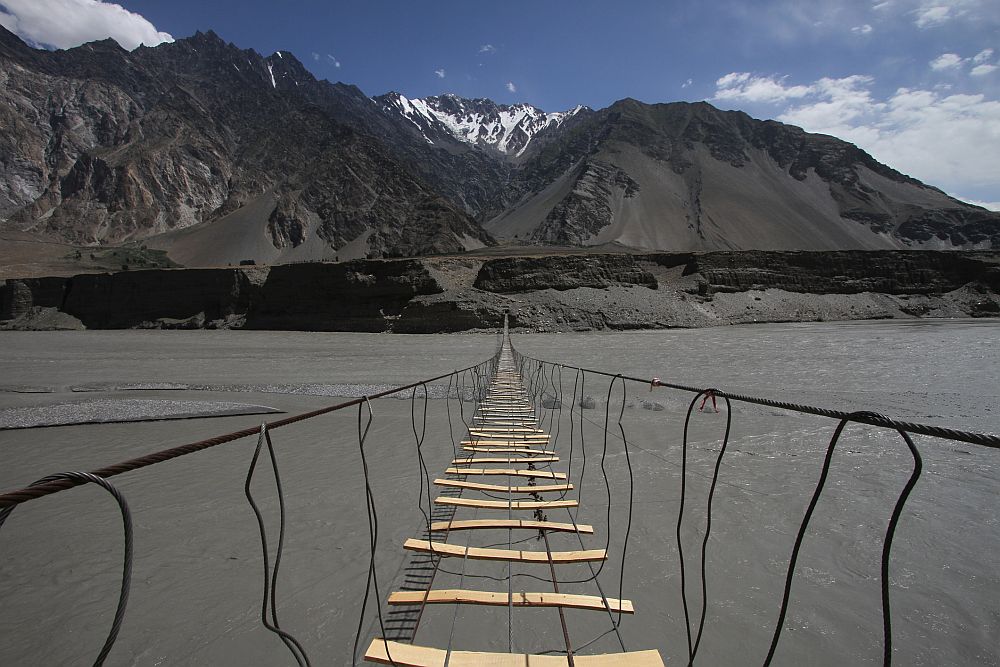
x=216, y=154
x=212, y=152
x=690, y=176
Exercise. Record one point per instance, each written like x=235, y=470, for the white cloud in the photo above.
x=946, y=61
x=982, y=56
x=315, y=55
x=487, y=48
x=932, y=16
x=947, y=140
x=687, y=83
x=333, y=61
x=440, y=73
x=511, y=87
x=746, y=87
x=991, y=205
x=982, y=70
x=881, y=5
x=67, y=23
x=862, y=29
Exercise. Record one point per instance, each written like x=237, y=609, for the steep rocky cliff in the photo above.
x=575, y=292
x=102, y=145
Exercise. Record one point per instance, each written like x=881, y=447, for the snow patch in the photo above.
x=270, y=71
x=507, y=128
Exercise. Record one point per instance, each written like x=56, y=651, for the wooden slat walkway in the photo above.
x=506, y=429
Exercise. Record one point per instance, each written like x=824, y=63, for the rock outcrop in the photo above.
x=566, y=292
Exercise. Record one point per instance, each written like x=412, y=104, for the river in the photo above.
x=196, y=587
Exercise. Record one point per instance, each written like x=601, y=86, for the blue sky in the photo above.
x=914, y=82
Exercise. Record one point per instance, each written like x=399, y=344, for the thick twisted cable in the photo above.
x=870, y=418
x=78, y=478
x=39, y=490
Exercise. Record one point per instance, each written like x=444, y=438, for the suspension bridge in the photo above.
x=511, y=481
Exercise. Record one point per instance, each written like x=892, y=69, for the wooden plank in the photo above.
x=502, y=504
x=494, y=459
x=498, y=418
x=481, y=553
x=502, y=423
x=519, y=438
x=508, y=450
x=521, y=431
x=476, y=486
x=518, y=599
x=510, y=472
x=512, y=524
x=496, y=441
x=506, y=407
x=408, y=655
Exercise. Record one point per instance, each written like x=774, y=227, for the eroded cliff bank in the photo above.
x=549, y=293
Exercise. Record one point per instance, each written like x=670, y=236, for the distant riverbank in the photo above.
x=541, y=293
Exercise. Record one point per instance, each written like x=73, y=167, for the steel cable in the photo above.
x=78, y=478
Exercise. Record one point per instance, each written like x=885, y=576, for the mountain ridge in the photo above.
x=218, y=154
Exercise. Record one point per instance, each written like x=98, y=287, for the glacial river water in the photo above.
x=196, y=586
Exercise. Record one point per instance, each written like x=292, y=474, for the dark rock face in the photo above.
x=554, y=293
x=525, y=274
x=885, y=272
x=18, y=297
x=582, y=214
x=354, y=296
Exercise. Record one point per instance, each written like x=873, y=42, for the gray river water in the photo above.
x=197, y=579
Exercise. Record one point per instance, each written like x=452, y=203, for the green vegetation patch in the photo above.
x=122, y=258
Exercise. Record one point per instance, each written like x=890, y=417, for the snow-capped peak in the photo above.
x=508, y=128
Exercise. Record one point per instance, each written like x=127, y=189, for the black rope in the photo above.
x=422, y=470
x=708, y=516
x=886, y=548
x=372, y=536
x=271, y=581
x=83, y=478
x=631, y=497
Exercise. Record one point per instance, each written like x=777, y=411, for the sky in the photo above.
x=916, y=83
